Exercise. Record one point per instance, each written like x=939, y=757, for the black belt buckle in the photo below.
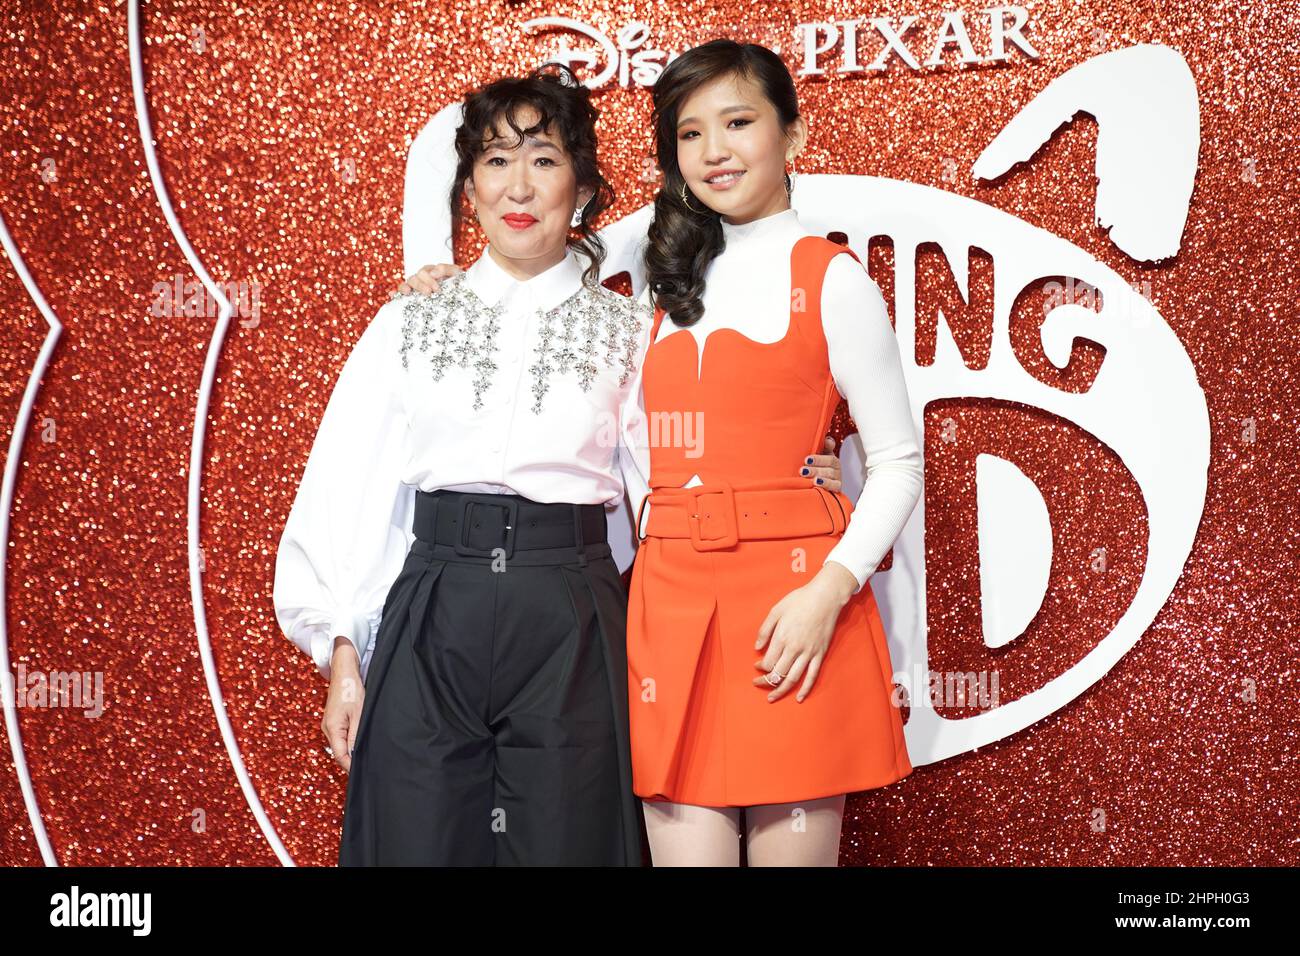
x=512, y=523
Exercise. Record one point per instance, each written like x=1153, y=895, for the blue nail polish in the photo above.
x=803, y=471
x=807, y=461
x=819, y=481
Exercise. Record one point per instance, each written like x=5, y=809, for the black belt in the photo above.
x=476, y=525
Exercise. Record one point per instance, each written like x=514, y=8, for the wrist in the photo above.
x=839, y=581
x=345, y=654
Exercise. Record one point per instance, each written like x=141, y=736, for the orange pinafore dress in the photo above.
x=716, y=557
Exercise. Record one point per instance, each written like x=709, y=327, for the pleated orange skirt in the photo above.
x=701, y=731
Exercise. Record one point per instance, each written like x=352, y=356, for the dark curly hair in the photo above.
x=564, y=107
x=684, y=239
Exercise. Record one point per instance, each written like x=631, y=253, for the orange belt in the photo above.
x=716, y=515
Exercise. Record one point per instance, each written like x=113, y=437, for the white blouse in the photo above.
x=490, y=384
x=748, y=289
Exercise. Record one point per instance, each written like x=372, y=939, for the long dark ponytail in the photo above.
x=685, y=235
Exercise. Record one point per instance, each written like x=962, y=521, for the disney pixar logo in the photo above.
x=629, y=58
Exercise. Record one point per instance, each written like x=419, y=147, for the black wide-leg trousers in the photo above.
x=494, y=723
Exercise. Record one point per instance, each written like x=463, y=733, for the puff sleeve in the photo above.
x=868, y=371
x=349, y=529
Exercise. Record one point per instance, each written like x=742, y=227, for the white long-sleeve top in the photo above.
x=747, y=288
x=491, y=384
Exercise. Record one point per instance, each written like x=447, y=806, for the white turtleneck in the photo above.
x=747, y=288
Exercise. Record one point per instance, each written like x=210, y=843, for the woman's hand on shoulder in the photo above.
x=428, y=279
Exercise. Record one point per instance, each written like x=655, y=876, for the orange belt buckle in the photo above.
x=732, y=537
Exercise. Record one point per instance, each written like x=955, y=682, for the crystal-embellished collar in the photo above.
x=590, y=330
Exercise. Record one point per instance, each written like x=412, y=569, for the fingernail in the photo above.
x=803, y=471
x=807, y=461
x=820, y=482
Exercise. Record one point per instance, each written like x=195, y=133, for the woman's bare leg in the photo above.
x=682, y=834
x=803, y=833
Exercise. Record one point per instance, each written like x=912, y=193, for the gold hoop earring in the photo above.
x=686, y=202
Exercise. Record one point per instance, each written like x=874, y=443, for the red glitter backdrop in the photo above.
x=282, y=131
